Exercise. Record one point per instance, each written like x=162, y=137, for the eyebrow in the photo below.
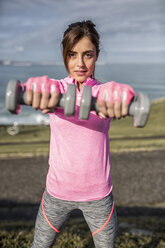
x=87, y=51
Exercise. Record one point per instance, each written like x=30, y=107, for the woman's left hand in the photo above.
x=113, y=99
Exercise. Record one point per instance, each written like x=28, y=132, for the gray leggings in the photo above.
x=100, y=216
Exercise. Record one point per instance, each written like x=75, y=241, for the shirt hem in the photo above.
x=80, y=199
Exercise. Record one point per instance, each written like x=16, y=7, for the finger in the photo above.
x=102, y=107
x=110, y=109
x=124, y=109
x=117, y=109
x=125, y=102
x=53, y=100
x=29, y=97
x=102, y=115
x=36, y=100
x=44, y=100
x=47, y=110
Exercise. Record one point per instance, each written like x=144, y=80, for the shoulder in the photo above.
x=96, y=82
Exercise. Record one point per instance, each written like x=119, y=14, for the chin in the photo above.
x=81, y=79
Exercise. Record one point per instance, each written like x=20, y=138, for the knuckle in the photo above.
x=44, y=77
x=30, y=79
x=54, y=87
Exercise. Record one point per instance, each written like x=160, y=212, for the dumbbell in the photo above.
x=16, y=96
x=139, y=108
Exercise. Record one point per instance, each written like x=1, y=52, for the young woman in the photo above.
x=79, y=161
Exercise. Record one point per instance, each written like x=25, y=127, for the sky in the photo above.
x=130, y=30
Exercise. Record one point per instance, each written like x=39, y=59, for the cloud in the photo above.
x=125, y=25
x=19, y=49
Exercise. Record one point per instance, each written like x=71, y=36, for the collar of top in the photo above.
x=89, y=81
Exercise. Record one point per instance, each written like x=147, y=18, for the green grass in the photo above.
x=155, y=125
x=151, y=137
x=76, y=234
x=25, y=149
x=26, y=134
x=34, y=140
x=30, y=141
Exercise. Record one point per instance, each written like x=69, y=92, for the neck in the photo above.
x=79, y=85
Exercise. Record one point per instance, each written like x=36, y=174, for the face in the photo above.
x=81, y=60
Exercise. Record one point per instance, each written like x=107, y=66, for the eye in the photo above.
x=72, y=54
x=89, y=55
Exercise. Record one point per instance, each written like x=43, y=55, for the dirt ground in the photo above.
x=138, y=179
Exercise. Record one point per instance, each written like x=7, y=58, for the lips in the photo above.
x=80, y=73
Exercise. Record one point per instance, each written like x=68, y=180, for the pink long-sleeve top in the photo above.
x=79, y=160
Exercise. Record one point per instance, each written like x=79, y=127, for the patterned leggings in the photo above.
x=100, y=216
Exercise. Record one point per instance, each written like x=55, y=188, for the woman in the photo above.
x=79, y=162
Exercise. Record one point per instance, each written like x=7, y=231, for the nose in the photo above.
x=80, y=62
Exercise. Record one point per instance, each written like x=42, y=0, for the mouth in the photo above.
x=81, y=73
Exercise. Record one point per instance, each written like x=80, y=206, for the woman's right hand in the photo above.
x=42, y=93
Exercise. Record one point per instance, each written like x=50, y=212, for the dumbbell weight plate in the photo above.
x=13, y=92
x=68, y=101
x=140, y=109
x=85, y=105
x=88, y=103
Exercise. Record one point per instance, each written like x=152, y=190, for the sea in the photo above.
x=146, y=78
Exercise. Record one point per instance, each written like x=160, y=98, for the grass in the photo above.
x=76, y=234
x=155, y=125
x=30, y=141
x=27, y=134
x=34, y=140
x=151, y=137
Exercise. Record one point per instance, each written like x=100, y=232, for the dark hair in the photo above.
x=75, y=32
